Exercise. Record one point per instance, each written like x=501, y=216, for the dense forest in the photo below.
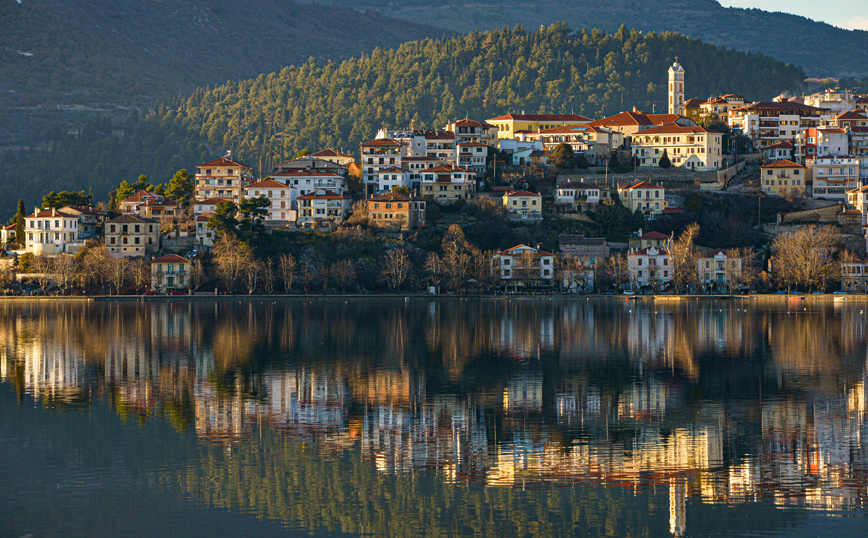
x=65, y=51
x=821, y=49
x=422, y=84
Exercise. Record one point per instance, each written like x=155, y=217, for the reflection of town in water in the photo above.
x=710, y=401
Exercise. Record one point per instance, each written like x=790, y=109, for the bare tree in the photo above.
x=344, y=274
x=197, y=274
x=252, y=273
x=7, y=275
x=485, y=279
x=396, y=268
x=64, y=269
x=42, y=269
x=92, y=267
x=684, y=256
x=230, y=257
x=358, y=213
x=434, y=270
x=805, y=257
x=615, y=270
x=116, y=272
x=325, y=276
x=286, y=267
x=306, y=275
x=574, y=271
x=140, y=272
x=268, y=276
x=846, y=257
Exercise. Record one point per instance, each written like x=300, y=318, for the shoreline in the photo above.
x=407, y=296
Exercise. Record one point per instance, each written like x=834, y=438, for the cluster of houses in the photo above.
x=816, y=145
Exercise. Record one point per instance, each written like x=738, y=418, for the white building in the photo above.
x=222, y=178
x=779, y=151
x=473, y=156
x=322, y=207
x=305, y=181
x=377, y=155
x=577, y=192
x=208, y=206
x=392, y=177
x=717, y=269
x=446, y=184
x=649, y=267
x=523, y=264
x=205, y=236
x=49, y=232
x=280, y=198
x=416, y=165
x=833, y=177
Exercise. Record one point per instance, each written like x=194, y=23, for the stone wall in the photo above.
x=823, y=215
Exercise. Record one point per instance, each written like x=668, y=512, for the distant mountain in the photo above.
x=426, y=83
x=82, y=52
x=821, y=49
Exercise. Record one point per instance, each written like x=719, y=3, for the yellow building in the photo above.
x=783, y=177
x=509, y=125
x=693, y=109
x=171, y=272
x=523, y=206
x=695, y=148
x=644, y=196
x=222, y=178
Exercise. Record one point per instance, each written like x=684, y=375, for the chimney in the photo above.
x=634, y=109
x=53, y=212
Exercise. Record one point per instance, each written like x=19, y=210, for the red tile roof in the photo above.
x=267, y=183
x=393, y=169
x=783, y=163
x=694, y=103
x=540, y=117
x=577, y=185
x=171, y=258
x=786, y=105
x=327, y=195
x=538, y=252
x=48, y=213
x=674, y=128
x=391, y=197
x=654, y=235
x=305, y=173
x=223, y=161
x=644, y=251
x=329, y=153
x=779, y=145
x=139, y=196
x=522, y=193
x=382, y=142
x=639, y=185
x=211, y=201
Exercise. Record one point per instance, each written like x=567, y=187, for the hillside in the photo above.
x=823, y=50
x=423, y=83
x=78, y=52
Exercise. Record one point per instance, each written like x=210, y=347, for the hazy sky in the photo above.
x=850, y=14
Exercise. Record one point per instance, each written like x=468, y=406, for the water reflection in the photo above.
x=711, y=402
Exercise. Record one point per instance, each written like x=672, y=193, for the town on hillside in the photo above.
x=716, y=195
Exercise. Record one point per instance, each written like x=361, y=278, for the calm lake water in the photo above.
x=433, y=417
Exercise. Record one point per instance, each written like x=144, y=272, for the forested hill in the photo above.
x=823, y=50
x=421, y=84
x=82, y=52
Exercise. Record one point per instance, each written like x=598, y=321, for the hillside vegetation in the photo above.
x=425, y=83
x=823, y=50
x=81, y=52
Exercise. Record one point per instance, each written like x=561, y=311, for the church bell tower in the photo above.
x=676, y=89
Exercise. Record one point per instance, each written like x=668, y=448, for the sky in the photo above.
x=849, y=14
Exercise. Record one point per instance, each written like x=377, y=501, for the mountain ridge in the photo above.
x=822, y=49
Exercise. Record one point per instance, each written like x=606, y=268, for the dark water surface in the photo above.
x=433, y=417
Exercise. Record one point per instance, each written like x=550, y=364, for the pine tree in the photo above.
x=664, y=161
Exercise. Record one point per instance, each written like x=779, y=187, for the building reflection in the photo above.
x=713, y=403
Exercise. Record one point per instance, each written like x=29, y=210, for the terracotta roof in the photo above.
x=327, y=195
x=672, y=211
x=783, y=163
x=266, y=183
x=623, y=118
x=786, y=105
x=392, y=169
x=540, y=117
x=139, y=196
x=48, y=213
x=126, y=219
x=674, y=128
x=203, y=218
x=382, y=142
x=779, y=145
x=329, y=153
x=223, y=161
x=444, y=168
x=171, y=258
x=472, y=123
x=211, y=201
x=418, y=159
x=391, y=197
x=694, y=103
x=538, y=251
x=83, y=210
x=714, y=253
x=522, y=193
x=852, y=115
x=639, y=185
x=577, y=185
x=654, y=235
x=472, y=144
x=10, y=227
x=863, y=188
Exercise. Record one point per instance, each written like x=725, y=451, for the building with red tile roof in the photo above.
x=691, y=147
x=524, y=266
x=508, y=125
x=169, y=273
x=222, y=178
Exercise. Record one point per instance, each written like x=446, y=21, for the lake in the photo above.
x=433, y=417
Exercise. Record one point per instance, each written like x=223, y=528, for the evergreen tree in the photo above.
x=181, y=187
x=664, y=161
x=613, y=161
x=562, y=156
x=19, y=223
